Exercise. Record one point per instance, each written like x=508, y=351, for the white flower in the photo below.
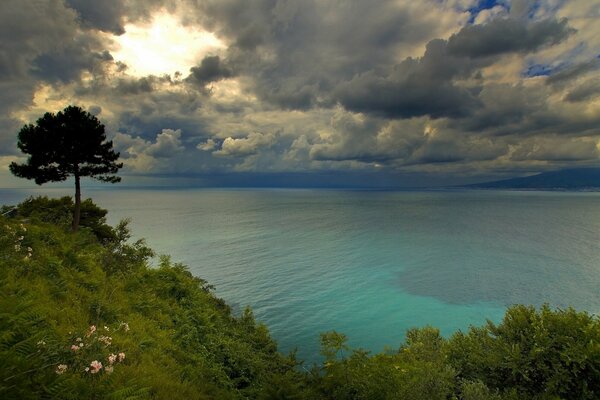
x=121, y=356
x=61, y=368
x=106, y=328
x=41, y=343
x=112, y=358
x=74, y=347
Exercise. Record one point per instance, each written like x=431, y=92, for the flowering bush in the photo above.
x=86, y=356
x=15, y=235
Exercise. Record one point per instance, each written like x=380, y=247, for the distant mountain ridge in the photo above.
x=567, y=179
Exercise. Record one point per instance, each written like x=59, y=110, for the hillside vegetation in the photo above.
x=85, y=316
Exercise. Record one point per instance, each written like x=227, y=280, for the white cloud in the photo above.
x=207, y=146
x=143, y=156
x=246, y=146
x=490, y=13
x=168, y=142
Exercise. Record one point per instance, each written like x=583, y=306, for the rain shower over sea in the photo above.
x=370, y=264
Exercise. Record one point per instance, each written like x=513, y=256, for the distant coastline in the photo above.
x=576, y=179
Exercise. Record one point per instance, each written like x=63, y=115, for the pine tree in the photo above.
x=71, y=142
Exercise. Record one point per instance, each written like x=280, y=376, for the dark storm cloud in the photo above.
x=211, y=69
x=129, y=86
x=415, y=87
x=501, y=36
x=136, y=86
x=106, y=15
x=30, y=28
x=505, y=108
x=111, y=15
x=66, y=64
x=406, y=96
x=296, y=53
x=426, y=86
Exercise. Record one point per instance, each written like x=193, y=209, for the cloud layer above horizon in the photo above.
x=445, y=90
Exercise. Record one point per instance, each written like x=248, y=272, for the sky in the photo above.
x=326, y=93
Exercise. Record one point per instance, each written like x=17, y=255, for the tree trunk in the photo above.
x=77, y=210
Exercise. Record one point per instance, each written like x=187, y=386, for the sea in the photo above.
x=370, y=264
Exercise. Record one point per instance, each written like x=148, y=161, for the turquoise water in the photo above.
x=372, y=264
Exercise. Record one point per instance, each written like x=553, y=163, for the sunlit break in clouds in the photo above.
x=163, y=46
x=313, y=93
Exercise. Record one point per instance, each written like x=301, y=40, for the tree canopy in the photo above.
x=71, y=142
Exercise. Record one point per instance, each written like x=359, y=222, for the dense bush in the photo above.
x=60, y=212
x=83, y=315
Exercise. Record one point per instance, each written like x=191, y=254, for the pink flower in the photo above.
x=121, y=356
x=61, y=368
x=74, y=347
x=95, y=367
x=112, y=358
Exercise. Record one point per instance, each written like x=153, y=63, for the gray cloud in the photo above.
x=573, y=72
x=587, y=90
x=553, y=148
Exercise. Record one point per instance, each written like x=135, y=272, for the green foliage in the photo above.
x=68, y=301
x=539, y=353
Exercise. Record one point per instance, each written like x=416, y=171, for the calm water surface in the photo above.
x=371, y=264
